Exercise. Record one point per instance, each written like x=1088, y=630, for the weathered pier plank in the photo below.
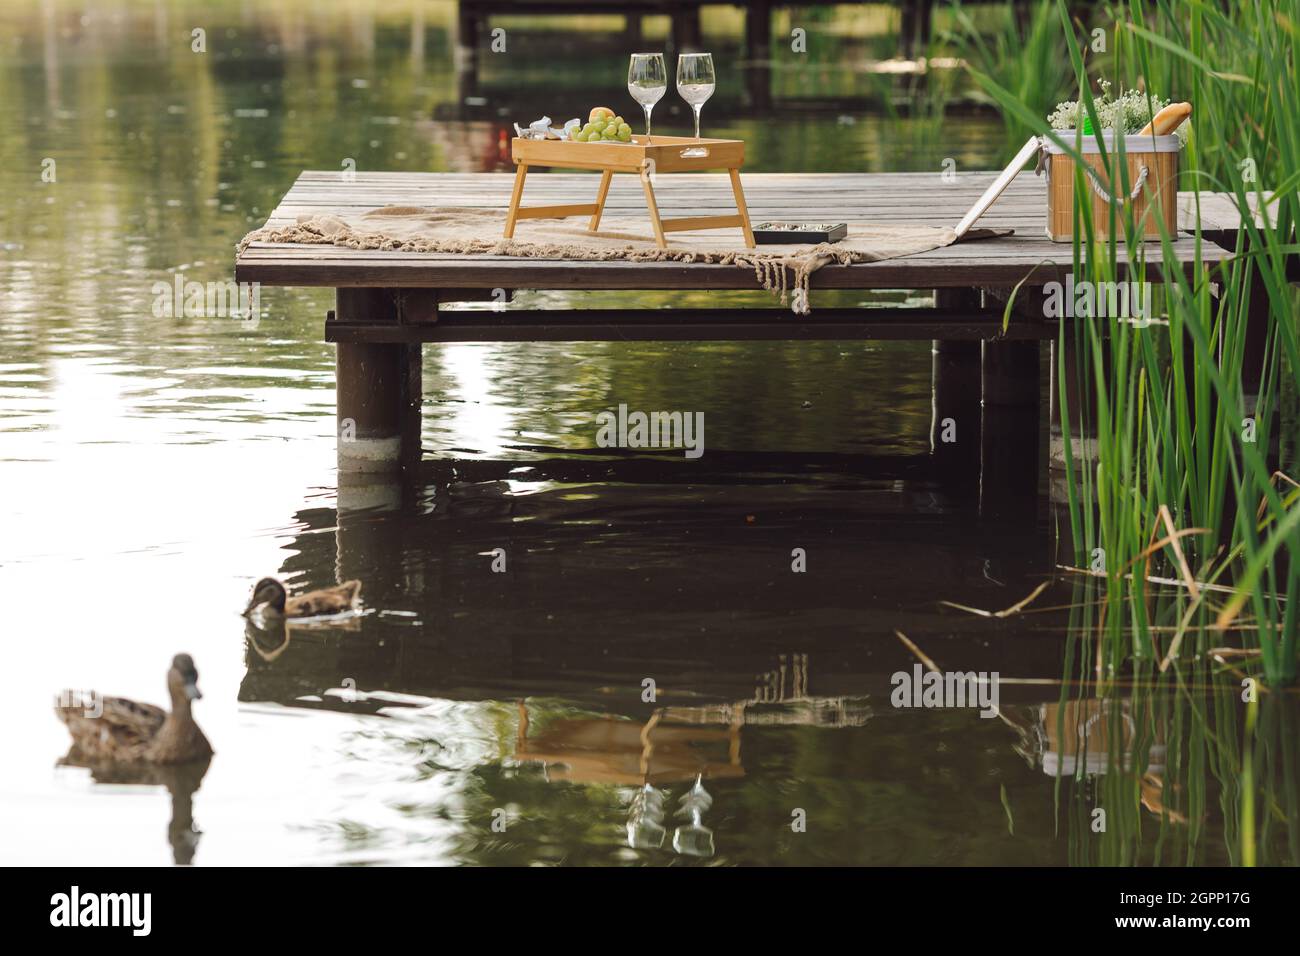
x=922, y=198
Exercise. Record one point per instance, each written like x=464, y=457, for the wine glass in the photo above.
x=647, y=81
x=695, y=81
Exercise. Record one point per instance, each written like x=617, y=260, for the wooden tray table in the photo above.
x=647, y=158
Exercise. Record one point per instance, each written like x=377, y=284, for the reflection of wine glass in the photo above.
x=694, y=838
x=647, y=81
x=695, y=801
x=649, y=799
x=695, y=81
x=644, y=832
x=645, y=829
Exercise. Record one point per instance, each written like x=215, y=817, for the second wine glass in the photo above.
x=695, y=81
x=647, y=81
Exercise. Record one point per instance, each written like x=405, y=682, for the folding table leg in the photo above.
x=654, y=209
x=605, y=177
x=513, y=215
x=741, y=207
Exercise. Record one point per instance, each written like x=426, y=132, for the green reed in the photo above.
x=1167, y=768
x=1025, y=61
x=1177, y=442
x=1184, y=774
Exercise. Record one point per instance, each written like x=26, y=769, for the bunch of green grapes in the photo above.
x=604, y=129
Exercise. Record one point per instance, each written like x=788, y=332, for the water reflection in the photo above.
x=774, y=715
x=268, y=642
x=604, y=590
x=628, y=752
x=1169, y=770
x=181, y=781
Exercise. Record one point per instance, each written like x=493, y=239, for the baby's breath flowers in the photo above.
x=1129, y=112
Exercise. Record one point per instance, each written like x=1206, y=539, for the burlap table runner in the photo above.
x=782, y=269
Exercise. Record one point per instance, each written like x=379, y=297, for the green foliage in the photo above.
x=1172, y=448
x=1022, y=60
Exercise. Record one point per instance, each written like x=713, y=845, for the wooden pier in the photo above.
x=389, y=303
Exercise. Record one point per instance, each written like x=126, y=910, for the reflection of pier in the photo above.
x=673, y=744
x=629, y=752
x=781, y=699
x=685, y=33
x=446, y=626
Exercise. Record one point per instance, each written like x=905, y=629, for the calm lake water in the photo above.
x=153, y=468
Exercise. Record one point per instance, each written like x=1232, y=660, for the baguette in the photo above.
x=1167, y=120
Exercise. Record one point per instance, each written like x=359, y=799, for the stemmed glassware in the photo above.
x=647, y=81
x=695, y=81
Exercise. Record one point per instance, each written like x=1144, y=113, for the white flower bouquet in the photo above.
x=1128, y=113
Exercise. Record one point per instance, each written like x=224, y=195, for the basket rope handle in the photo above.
x=1085, y=732
x=1094, y=180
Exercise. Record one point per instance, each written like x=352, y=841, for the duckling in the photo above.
x=129, y=732
x=270, y=595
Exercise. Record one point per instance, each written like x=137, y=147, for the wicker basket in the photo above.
x=1152, y=180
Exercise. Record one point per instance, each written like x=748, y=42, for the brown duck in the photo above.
x=270, y=595
x=118, y=730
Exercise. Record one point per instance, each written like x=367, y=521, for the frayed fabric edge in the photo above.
x=770, y=271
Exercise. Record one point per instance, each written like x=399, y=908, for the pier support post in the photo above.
x=469, y=22
x=1255, y=355
x=1252, y=371
x=955, y=412
x=758, y=53
x=368, y=544
x=686, y=28
x=417, y=38
x=1009, y=431
x=1256, y=345
x=1081, y=398
x=379, y=389
x=916, y=19
x=1009, y=373
x=955, y=399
